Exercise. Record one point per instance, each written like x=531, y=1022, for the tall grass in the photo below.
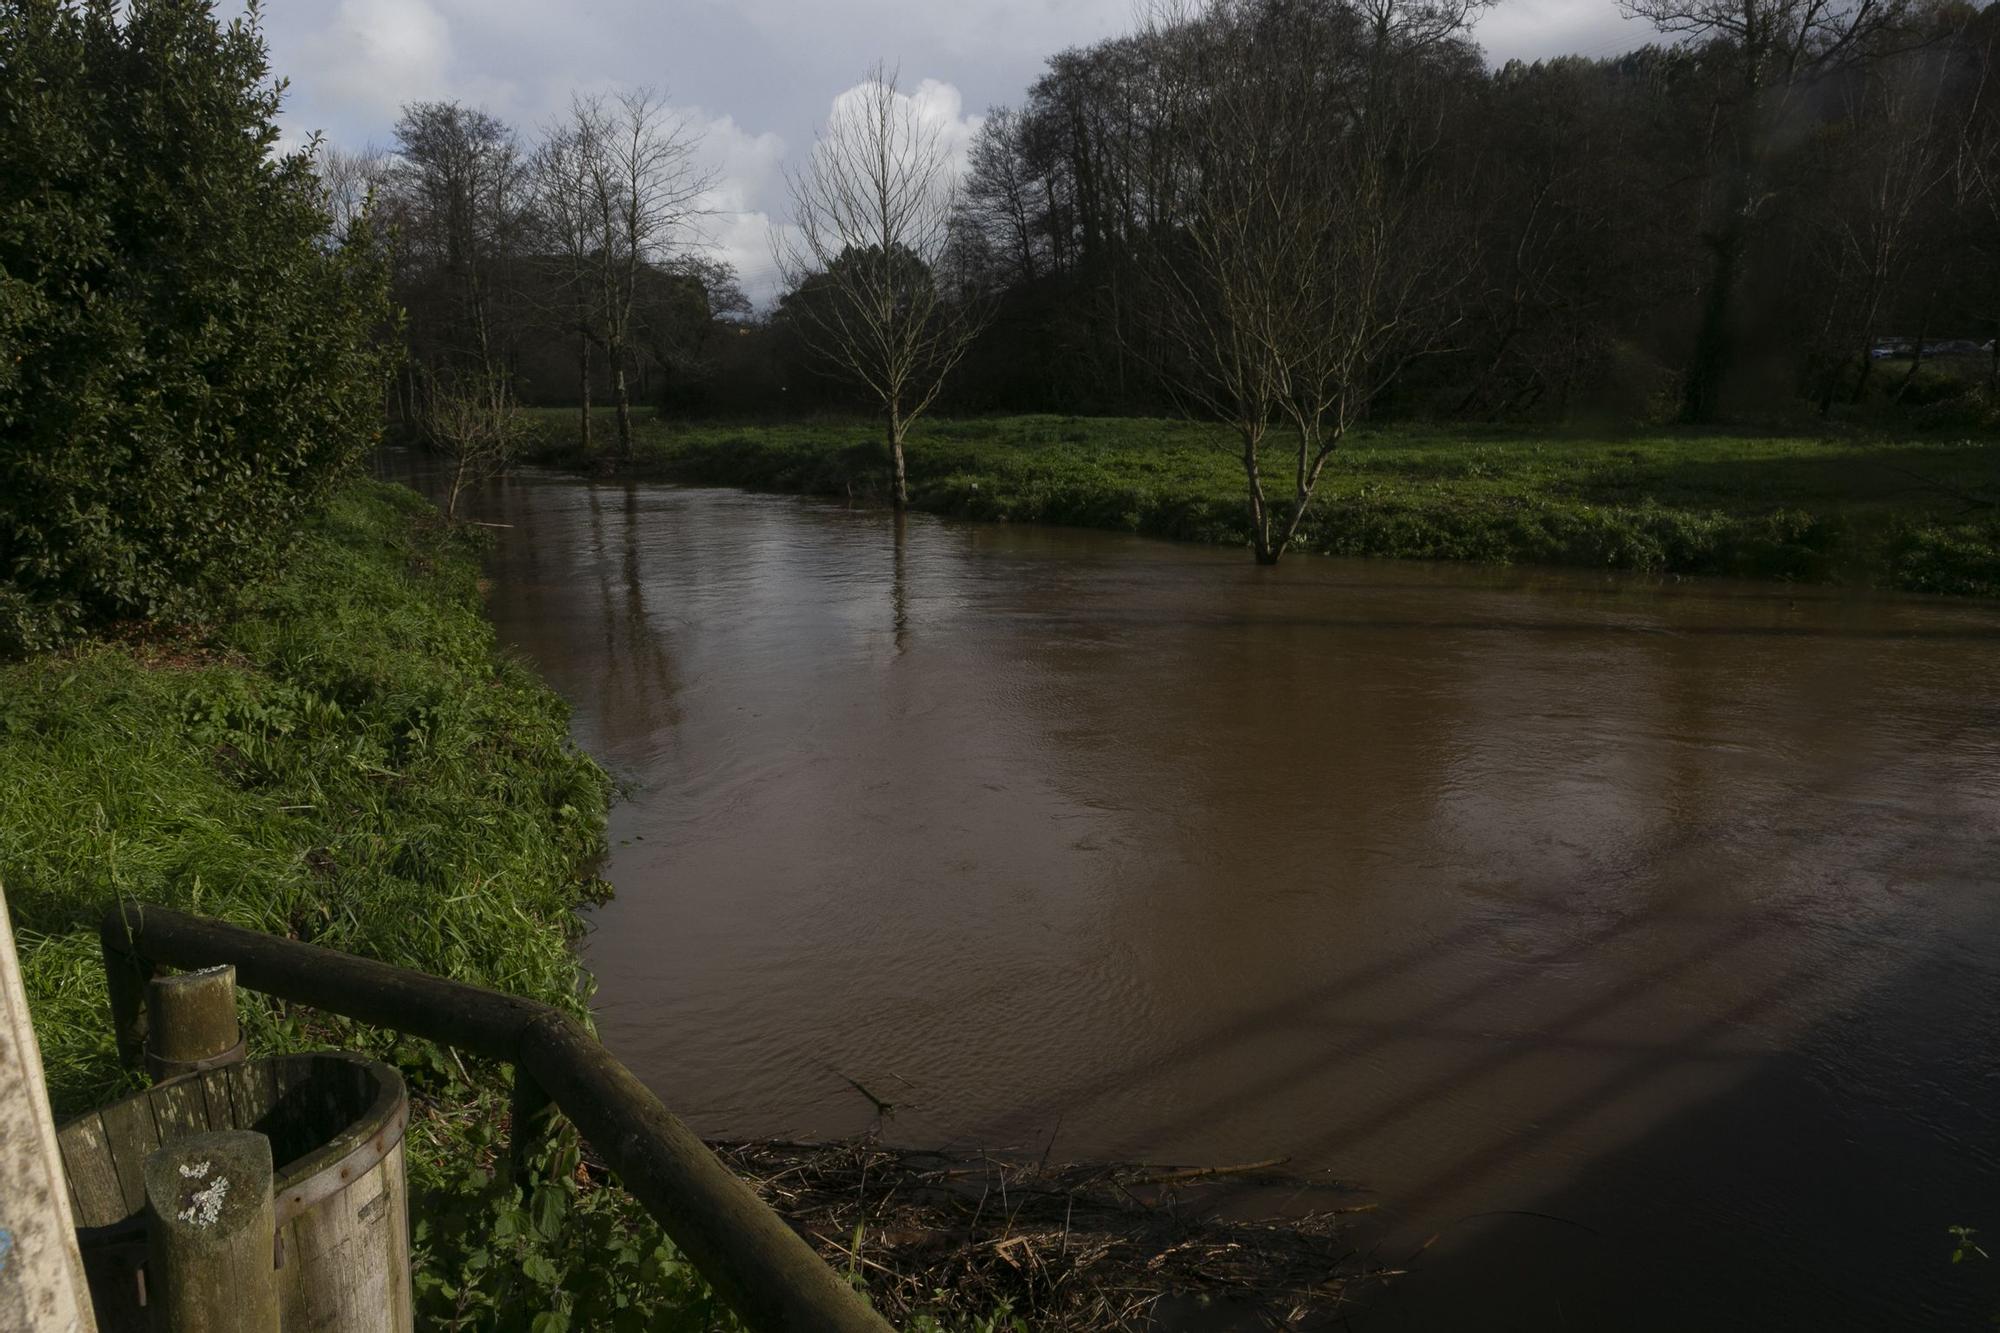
x=349, y=763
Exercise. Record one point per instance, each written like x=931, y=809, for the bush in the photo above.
x=187, y=364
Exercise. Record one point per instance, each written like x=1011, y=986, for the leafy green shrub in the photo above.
x=187, y=365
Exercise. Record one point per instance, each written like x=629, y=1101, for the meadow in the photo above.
x=1912, y=514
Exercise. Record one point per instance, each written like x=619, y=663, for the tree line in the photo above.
x=567, y=270
x=1731, y=219
x=1286, y=215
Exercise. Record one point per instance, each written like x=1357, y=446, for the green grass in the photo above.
x=346, y=762
x=1911, y=515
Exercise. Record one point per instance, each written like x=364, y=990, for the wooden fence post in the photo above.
x=211, y=1233
x=41, y=1274
x=125, y=977
x=191, y=1022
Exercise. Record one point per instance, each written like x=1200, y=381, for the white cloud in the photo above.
x=934, y=106
x=749, y=206
x=749, y=191
x=756, y=74
x=374, y=55
x=1531, y=29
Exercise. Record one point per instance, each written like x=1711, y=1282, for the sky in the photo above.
x=756, y=78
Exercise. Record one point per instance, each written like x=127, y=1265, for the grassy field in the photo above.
x=1918, y=516
x=347, y=762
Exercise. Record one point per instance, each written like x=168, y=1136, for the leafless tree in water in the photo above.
x=871, y=258
x=473, y=422
x=1316, y=257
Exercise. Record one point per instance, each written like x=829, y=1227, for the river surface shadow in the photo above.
x=1638, y=941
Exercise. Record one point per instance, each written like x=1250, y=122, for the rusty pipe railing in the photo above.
x=765, y=1271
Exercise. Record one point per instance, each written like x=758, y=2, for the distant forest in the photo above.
x=1780, y=206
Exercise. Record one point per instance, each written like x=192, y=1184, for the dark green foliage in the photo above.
x=187, y=365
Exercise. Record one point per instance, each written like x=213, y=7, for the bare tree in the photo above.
x=1778, y=48
x=875, y=230
x=1871, y=226
x=1000, y=196
x=645, y=191
x=1976, y=184
x=351, y=181
x=1316, y=259
x=472, y=421
x=458, y=179
x=562, y=184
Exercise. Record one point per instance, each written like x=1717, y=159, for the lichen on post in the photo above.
x=211, y=1232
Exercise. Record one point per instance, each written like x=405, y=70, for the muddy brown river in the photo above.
x=1638, y=942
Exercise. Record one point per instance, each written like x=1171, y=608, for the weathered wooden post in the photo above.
x=191, y=1022
x=211, y=1232
x=126, y=974
x=41, y=1275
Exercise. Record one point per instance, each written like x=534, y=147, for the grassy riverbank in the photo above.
x=1913, y=515
x=347, y=761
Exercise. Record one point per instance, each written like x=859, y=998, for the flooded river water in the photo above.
x=1641, y=943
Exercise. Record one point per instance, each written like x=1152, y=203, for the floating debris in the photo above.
x=1064, y=1247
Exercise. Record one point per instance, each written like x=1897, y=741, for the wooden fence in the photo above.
x=766, y=1272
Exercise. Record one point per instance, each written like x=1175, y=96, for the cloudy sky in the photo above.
x=757, y=76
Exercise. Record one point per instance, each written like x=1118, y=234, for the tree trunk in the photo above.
x=1867, y=370
x=1260, y=514
x=902, y=481
x=583, y=385
x=623, y=397
x=1714, y=341
x=1910, y=375
x=1917, y=352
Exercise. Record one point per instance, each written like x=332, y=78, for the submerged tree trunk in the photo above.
x=1260, y=509
x=901, y=487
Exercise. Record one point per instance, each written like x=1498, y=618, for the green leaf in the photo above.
x=551, y=1204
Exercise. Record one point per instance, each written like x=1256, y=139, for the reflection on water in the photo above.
x=1639, y=942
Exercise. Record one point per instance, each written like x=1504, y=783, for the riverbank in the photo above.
x=346, y=761
x=1907, y=515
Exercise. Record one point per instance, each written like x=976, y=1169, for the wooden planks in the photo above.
x=771, y=1277
x=42, y=1281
